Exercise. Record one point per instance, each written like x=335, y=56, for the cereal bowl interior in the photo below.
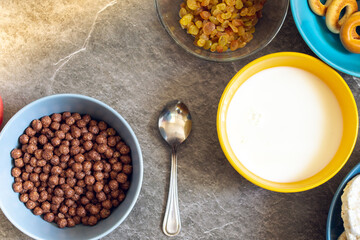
x=347, y=109
x=17, y=212
x=274, y=13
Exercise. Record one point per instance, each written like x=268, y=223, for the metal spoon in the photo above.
x=175, y=126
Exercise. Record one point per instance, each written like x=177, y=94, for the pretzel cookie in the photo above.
x=318, y=8
x=333, y=13
x=348, y=35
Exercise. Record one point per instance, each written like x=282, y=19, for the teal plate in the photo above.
x=334, y=224
x=325, y=44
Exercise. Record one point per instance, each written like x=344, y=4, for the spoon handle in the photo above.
x=172, y=224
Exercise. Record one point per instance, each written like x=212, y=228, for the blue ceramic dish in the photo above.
x=334, y=225
x=325, y=44
x=17, y=213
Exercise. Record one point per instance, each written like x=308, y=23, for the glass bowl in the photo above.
x=274, y=13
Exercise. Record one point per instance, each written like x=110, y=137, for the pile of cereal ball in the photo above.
x=220, y=25
x=71, y=169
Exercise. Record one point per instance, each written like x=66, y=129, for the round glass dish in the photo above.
x=274, y=14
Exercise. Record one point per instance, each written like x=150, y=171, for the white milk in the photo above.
x=284, y=124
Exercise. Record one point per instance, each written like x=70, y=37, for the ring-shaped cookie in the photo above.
x=333, y=13
x=348, y=35
x=318, y=8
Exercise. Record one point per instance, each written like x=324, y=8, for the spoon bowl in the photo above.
x=175, y=123
x=174, y=126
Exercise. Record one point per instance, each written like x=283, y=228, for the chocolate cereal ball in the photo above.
x=121, y=178
x=117, y=166
x=28, y=185
x=125, y=185
x=98, y=166
x=77, y=167
x=92, y=220
x=94, y=209
x=70, y=222
x=30, y=204
x=56, y=117
x=24, y=197
x=124, y=150
x=25, y=176
x=48, y=146
x=62, y=222
x=36, y=125
x=99, y=176
x=49, y=217
x=30, y=132
x=46, y=206
x=42, y=140
x=104, y=213
x=113, y=185
x=65, y=128
x=45, y=121
x=94, y=130
x=76, y=116
x=80, y=211
x=98, y=187
x=88, y=145
x=54, y=180
x=79, y=158
x=125, y=159
x=89, y=180
x=16, y=172
x=127, y=169
x=18, y=187
x=55, y=126
x=111, y=141
x=77, y=219
x=19, y=162
x=16, y=153
x=43, y=196
x=75, y=142
x=34, y=196
x=107, y=204
x=24, y=139
x=38, y=211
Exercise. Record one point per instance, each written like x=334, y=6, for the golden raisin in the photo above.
x=193, y=30
x=239, y=4
x=192, y=4
x=182, y=12
x=185, y=20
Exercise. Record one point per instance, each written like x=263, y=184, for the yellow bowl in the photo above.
x=332, y=79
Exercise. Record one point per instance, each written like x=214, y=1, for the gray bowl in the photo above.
x=274, y=13
x=23, y=218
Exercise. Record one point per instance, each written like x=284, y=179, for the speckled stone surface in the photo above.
x=131, y=63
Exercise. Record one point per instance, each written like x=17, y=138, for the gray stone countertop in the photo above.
x=123, y=57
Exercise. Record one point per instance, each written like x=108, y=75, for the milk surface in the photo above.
x=284, y=124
